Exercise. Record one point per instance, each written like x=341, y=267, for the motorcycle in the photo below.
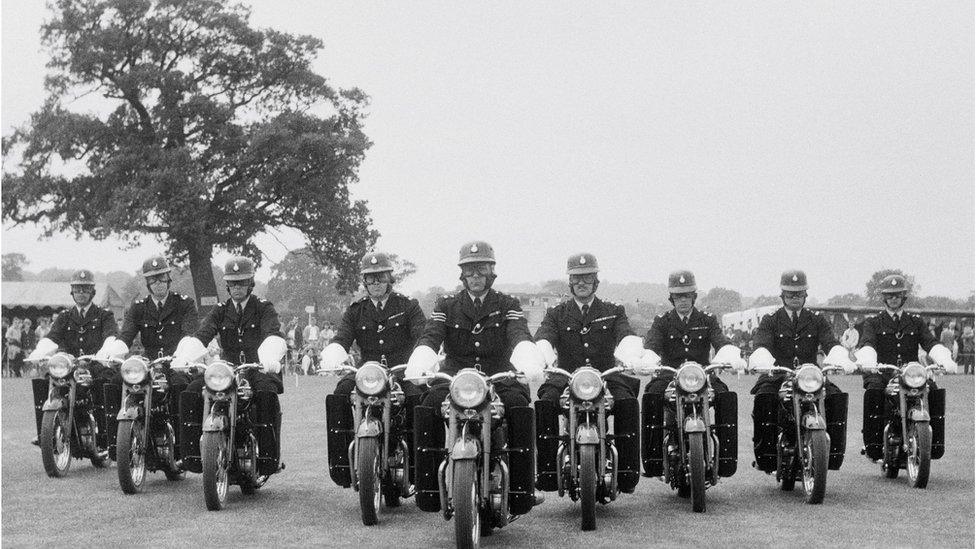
x=586, y=455
x=68, y=427
x=380, y=455
x=692, y=458
x=805, y=452
x=145, y=439
x=908, y=432
x=229, y=450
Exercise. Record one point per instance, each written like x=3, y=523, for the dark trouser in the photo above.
x=264, y=415
x=878, y=409
x=770, y=417
x=623, y=389
x=430, y=451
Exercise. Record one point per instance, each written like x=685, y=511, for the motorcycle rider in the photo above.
x=789, y=337
x=385, y=325
x=893, y=337
x=249, y=331
x=483, y=329
x=587, y=331
x=84, y=329
x=686, y=334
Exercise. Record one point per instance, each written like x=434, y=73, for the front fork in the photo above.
x=586, y=432
x=366, y=426
x=697, y=422
x=131, y=407
x=56, y=402
x=222, y=418
x=918, y=412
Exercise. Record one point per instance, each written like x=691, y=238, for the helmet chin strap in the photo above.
x=489, y=280
x=783, y=299
x=592, y=294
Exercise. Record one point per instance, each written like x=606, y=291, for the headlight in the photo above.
x=370, y=378
x=691, y=377
x=586, y=384
x=468, y=389
x=809, y=378
x=914, y=375
x=59, y=365
x=134, y=370
x=218, y=376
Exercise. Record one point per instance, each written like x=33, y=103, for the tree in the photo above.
x=871, y=287
x=13, y=266
x=847, y=300
x=721, y=300
x=766, y=300
x=297, y=281
x=211, y=136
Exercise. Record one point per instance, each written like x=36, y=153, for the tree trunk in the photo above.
x=204, y=286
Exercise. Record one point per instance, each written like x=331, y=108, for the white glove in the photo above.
x=761, y=358
x=45, y=348
x=548, y=353
x=730, y=354
x=840, y=356
x=112, y=347
x=629, y=350
x=867, y=357
x=527, y=358
x=644, y=365
x=943, y=357
x=270, y=353
x=333, y=355
x=422, y=362
x=189, y=349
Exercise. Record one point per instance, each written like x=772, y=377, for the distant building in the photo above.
x=36, y=299
x=535, y=306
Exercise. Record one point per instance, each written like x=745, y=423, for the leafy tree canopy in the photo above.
x=13, y=266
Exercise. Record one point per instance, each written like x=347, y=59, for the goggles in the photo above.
x=795, y=295
x=482, y=269
x=154, y=279
x=376, y=278
x=240, y=283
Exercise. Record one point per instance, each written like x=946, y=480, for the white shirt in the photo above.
x=581, y=303
x=242, y=304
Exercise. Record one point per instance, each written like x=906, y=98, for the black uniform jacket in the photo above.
x=390, y=333
x=581, y=341
x=677, y=342
x=897, y=343
x=482, y=340
x=160, y=330
x=776, y=334
x=83, y=336
x=240, y=334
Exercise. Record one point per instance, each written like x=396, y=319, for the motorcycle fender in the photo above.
x=587, y=434
x=369, y=428
x=54, y=404
x=465, y=449
x=214, y=423
x=694, y=425
x=917, y=414
x=814, y=423
x=129, y=412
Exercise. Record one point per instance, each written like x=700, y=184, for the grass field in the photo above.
x=302, y=507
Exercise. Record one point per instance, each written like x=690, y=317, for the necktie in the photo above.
x=379, y=306
x=793, y=318
x=240, y=310
x=477, y=303
x=586, y=308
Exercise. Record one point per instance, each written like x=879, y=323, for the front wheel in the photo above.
x=54, y=443
x=815, y=454
x=587, y=483
x=696, y=468
x=919, y=454
x=132, y=456
x=215, y=461
x=467, y=518
x=368, y=475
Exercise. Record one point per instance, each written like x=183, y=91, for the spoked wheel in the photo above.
x=216, y=462
x=132, y=456
x=467, y=518
x=696, y=469
x=815, y=454
x=54, y=442
x=368, y=475
x=587, y=479
x=919, y=454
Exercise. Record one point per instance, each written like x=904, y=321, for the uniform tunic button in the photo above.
x=364, y=327
x=477, y=344
x=686, y=349
x=586, y=344
x=381, y=342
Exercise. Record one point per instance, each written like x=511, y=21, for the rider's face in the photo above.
x=583, y=286
x=894, y=301
x=376, y=284
x=794, y=300
x=476, y=277
x=82, y=294
x=683, y=302
x=238, y=289
x=158, y=285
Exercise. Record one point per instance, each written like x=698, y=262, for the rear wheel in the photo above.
x=216, y=462
x=464, y=492
x=919, y=454
x=587, y=482
x=54, y=443
x=368, y=475
x=132, y=456
x=696, y=468
x=815, y=454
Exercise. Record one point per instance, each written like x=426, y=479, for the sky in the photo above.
x=736, y=139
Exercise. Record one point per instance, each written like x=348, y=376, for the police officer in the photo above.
x=587, y=331
x=84, y=329
x=789, y=337
x=160, y=320
x=681, y=335
x=894, y=337
x=249, y=331
x=483, y=329
x=385, y=325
